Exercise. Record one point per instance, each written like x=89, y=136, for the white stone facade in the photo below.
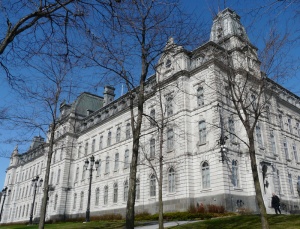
x=193, y=169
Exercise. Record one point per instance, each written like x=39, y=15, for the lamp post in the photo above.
x=86, y=165
x=223, y=138
x=5, y=192
x=35, y=184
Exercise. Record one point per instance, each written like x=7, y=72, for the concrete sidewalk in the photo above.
x=166, y=224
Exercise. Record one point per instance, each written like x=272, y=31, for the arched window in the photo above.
x=171, y=180
x=205, y=176
x=55, y=202
x=116, y=161
x=202, y=132
x=152, y=118
x=107, y=165
x=97, y=196
x=105, y=197
x=81, y=200
x=74, y=200
x=115, y=192
x=235, y=174
x=128, y=130
x=200, y=96
x=170, y=139
x=152, y=148
x=93, y=145
x=125, y=195
x=126, y=159
x=152, y=185
x=118, y=135
x=137, y=189
x=109, y=138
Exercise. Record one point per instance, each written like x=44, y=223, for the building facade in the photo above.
x=190, y=86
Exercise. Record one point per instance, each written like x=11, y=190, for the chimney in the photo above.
x=109, y=95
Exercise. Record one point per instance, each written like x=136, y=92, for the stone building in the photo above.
x=190, y=85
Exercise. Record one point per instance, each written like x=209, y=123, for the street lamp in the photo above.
x=86, y=164
x=5, y=193
x=35, y=184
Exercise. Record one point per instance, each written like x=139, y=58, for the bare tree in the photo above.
x=52, y=83
x=249, y=90
x=127, y=49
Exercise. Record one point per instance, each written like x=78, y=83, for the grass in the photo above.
x=246, y=222
x=236, y=222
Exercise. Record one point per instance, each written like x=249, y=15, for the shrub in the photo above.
x=107, y=217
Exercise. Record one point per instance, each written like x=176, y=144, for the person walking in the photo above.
x=276, y=203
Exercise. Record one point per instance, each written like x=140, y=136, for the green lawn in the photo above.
x=246, y=222
x=236, y=222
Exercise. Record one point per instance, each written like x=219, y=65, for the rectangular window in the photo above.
x=200, y=96
x=285, y=148
x=128, y=130
x=290, y=125
x=291, y=183
x=126, y=159
x=169, y=106
x=280, y=121
x=258, y=135
x=152, y=118
x=93, y=145
x=101, y=142
x=109, y=138
x=202, y=132
x=231, y=129
x=118, y=135
x=116, y=161
x=170, y=140
x=152, y=148
x=107, y=165
x=273, y=142
x=86, y=148
x=295, y=152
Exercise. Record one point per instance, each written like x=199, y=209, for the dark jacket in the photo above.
x=275, y=201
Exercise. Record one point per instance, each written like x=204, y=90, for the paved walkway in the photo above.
x=166, y=224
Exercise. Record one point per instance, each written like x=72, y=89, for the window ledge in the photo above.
x=237, y=189
x=206, y=190
x=171, y=193
x=201, y=144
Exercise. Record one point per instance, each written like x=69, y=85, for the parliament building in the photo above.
x=190, y=86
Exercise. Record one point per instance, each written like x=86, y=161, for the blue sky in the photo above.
x=255, y=16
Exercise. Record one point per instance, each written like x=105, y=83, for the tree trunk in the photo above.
x=259, y=197
x=46, y=179
x=136, y=130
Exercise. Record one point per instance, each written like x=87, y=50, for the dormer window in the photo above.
x=168, y=63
